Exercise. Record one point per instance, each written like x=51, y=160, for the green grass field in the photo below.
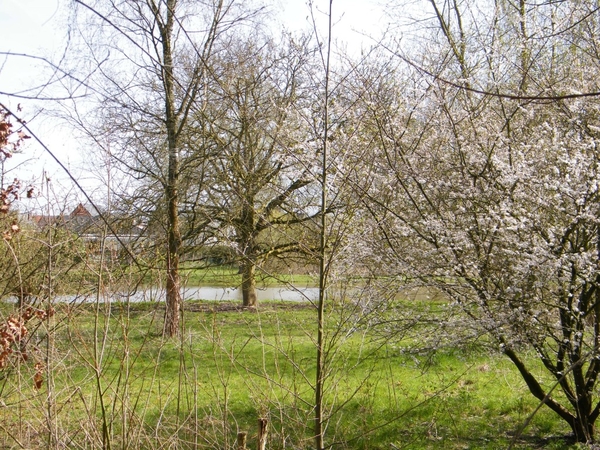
x=110, y=379
x=229, y=276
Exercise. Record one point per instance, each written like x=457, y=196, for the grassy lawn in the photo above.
x=229, y=276
x=109, y=377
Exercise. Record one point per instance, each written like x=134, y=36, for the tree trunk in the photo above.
x=246, y=240
x=173, y=307
x=582, y=424
x=583, y=430
x=173, y=302
x=249, y=283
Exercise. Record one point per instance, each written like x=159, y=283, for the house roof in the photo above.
x=82, y=222
x=80, y=211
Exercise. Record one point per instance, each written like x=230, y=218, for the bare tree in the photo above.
x=257, y=187
x=150, y=61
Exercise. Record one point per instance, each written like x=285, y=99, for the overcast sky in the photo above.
x=37, y=27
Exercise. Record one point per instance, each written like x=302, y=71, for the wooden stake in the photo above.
x=241, y=441
x=262, y=434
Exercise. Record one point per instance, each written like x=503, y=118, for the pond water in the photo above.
x=212, y=293
x=285, y=293
x=154, y=294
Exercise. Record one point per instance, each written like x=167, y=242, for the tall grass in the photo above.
x=117, y=383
